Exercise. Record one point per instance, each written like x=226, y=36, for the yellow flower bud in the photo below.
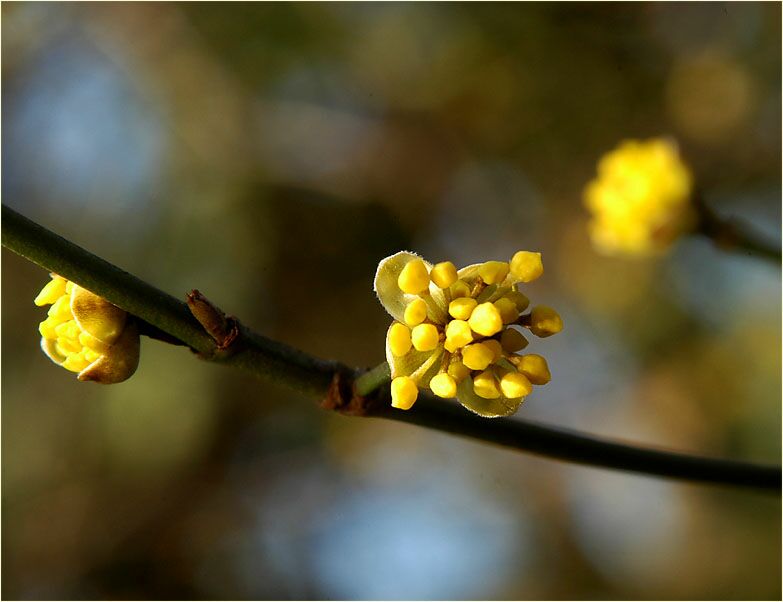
x=512, y=340
x=459, y=289
x=477, y=356
x=494, y=346
x=424, y=337
x=463, y=324
x=47, y=328
x=526, y=266
x=54, y=289
x=443, y=385
x=535, y=368
x=86, y=334
x=514, y=384
x=61, y=309
x=399, y=339
x=640, y=200
x=493, y=272
x=414, y=278
x=415, y=312
x=404, y=392
x=485, y=385
x=545, y=321
x=486, y=320
x=444, y=274
x=458, y=335
x=458, y=371
x=462, y=307
x=519, y=300
x=507, y=309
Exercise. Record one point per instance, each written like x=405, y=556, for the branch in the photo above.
x=732, y=235
x=217, y=338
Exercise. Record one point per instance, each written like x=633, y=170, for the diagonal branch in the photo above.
x=733, y=235
x=362, y=393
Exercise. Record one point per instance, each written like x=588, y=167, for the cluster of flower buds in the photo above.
x=458, y=332
x=640, y=200
x=86, y=334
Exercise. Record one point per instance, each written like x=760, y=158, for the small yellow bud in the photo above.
x=404, y=392
x=415, y=312
x=507, y=309
x=459, y=289
x=399, y=339
x=640, y=200
x=477, y=356
x=486, y=320
x=47, y=328
x=462, y=307
x=519, y=300
x=414, y=278
x=86, y=339
x=67, y=346
x=51, y=292
x=68, y=329
x=512, y=340
x=86, y=334
x=424, y=337
x=61, y=310
x=545, y=321
x=494, y=346
x=458, y=335
x=535, y=368
x=485, y=385
x=526, y=266
x=443, y=385
x=493, y=272
x=444, y=274
x=75, y=362
x=514, y=384
x=458, y=371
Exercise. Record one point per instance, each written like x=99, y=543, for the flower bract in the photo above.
x=458, y=332
x=640, y=200
x=86, y=334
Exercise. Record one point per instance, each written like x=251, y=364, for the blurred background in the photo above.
x=270, y=155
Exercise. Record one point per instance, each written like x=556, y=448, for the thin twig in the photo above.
x=732, y=235
x=346, y=390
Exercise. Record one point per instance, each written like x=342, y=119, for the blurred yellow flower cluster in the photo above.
x=457, y=331
x=640, y=200
x=86, y=334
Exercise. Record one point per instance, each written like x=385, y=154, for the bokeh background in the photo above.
x=269, y=155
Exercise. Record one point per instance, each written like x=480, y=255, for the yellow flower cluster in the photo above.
x=86, y=334
x=640, y=201
x=457, y=332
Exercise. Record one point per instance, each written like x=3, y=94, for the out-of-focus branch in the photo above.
x=732, y=235
x=216, y=337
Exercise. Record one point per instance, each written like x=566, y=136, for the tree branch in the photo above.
x=342, y=389
x=732, y=235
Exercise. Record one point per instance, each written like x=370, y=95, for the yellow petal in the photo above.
x=53, y=290
x=96, y=316
x=119, y=362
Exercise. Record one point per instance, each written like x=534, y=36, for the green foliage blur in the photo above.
x=270, y=154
